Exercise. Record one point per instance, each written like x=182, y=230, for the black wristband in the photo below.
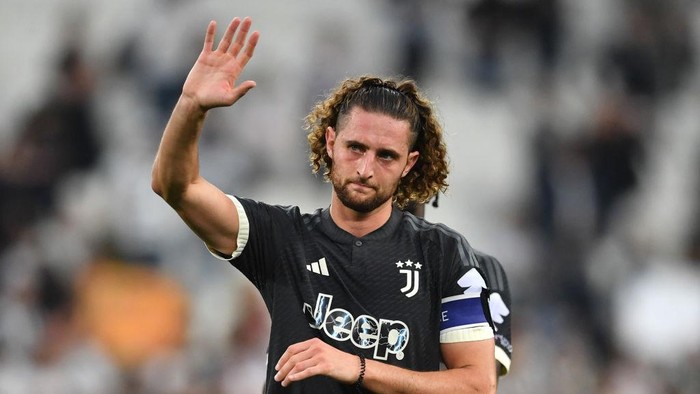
x=361, y=377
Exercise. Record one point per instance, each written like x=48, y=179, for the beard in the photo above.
x=358, y=202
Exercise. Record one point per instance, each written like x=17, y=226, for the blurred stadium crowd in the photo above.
x=574, y=136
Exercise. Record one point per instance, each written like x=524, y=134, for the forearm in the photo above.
x=385, y=378
x=176, y=164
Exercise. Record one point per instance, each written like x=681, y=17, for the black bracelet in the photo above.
x=360, y=378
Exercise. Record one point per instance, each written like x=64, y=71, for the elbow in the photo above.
x=166, y=191
x=158, y=189
x=156, y=184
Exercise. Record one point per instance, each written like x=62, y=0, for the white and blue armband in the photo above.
x=463, y=318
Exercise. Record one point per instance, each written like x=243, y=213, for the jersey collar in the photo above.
x=337, y=234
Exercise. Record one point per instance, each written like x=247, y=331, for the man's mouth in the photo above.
x=362, y=185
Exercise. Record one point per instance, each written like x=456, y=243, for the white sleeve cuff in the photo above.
x=243, y=233
x=467, y=334
x=502, y=357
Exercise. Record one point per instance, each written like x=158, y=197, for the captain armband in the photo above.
x=463, y=319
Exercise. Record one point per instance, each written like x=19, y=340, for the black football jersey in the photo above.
x=393, y=295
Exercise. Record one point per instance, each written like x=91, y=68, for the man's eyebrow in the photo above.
x=354, y=142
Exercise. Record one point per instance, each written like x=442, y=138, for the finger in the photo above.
x=209, y=37
x=291, y=363
x=242, y=89
x=228, y=35
x=302, y=371
x=241, y=36
x=286, y=355
x=286, y=366
x=249, y=49
x=292, y=349
x=297, y=347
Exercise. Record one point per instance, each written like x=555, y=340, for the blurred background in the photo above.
x=573, y=129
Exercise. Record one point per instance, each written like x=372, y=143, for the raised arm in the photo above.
x=211, y=83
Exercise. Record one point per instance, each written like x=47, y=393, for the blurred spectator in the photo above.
x=414, y=38
x=615, y=155
x=56, y=139
x=653, y=54
x=496, y=23
x=545, y=147
x=634, y=59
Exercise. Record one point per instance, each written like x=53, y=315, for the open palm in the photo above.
x=212, y=80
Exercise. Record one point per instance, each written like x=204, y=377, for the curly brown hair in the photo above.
x=400, y=99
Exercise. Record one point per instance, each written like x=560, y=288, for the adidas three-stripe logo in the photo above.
x=318, y=267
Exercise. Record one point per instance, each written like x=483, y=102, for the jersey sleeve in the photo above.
x=262, y=231
x=243, y=233
x=499, y=300
x=477, y=292
x=464, y=302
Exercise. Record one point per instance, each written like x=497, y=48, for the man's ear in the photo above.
x=330, y=141
x=410, y=162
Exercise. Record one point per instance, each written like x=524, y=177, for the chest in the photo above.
x=377, y=274
x=378, y=296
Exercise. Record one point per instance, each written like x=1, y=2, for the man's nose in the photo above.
x=365, y=166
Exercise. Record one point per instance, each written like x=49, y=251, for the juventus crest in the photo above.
x=412, y=272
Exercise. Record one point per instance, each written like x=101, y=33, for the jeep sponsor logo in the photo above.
x=384, y=335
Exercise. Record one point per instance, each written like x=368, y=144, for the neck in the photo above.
x=356, y=223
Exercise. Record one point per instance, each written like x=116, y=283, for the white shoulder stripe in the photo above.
x=243, y=232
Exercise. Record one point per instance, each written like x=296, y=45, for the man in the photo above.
x=362, y=295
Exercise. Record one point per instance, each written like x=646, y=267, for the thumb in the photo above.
x=242, y=89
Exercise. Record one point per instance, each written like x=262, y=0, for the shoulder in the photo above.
x=257, y=206
x=261, y=211
x=493, y=270
x=441, y=236
x=429, y=229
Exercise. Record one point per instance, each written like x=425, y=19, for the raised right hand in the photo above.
x=212, y=80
